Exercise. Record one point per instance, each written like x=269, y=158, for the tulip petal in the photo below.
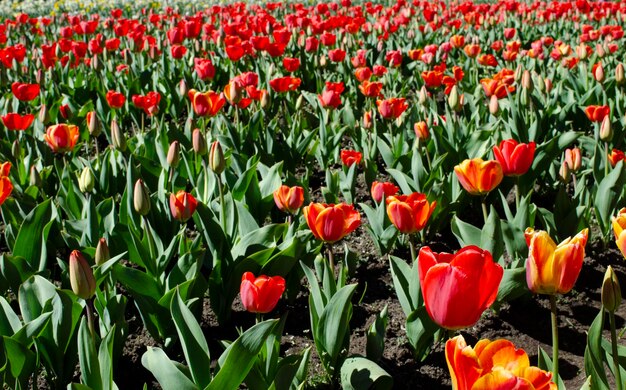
x=462, y=364
x=503, y=354
x=501, y=380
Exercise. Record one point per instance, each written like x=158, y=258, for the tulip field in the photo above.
x=334, y=195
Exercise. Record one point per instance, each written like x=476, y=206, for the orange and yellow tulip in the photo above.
x=329, y=222
x=206, y=103
x=479, y=177
x=289, y=199
x=409, y=213
x=6, y=187
x=619, y=229
x=551, y=268
x=62, y=138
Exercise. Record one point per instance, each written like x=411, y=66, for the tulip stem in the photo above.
x=222, y=204
x=484, y=205
x=331, y=260
x=555, y=340
x=616, y=368
x=412, y=247
x=517, y=193
x=183, y=238
x=90, y=318
x=606, y=161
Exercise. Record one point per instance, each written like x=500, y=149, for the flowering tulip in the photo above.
x=285, y=84
x=619, y=229
x=458, y=288
x=206, y=103
x=597, y=113
x=616, y=156
x=62, y=138
x=204, y=68
x=515, y=158
x=349, y=157
x=289, y=199
x=291, y=64
x=409, y=213
x=148, y=103
x=25, y=92
x=371, y=89
x=182, y=205
x=336, y=55
x=363, y=73
x=329, y=222
x=391, y=108
x=552, y=269
x=15, y=121
x=573, y=159
x=115, y=99
x=479, y=177
x=493, y=365
x=81, y=276
x=329, y=99
x=260, y=294
x=6, y=186
x=381, y=190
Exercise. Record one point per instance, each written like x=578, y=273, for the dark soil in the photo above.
x=525, y=321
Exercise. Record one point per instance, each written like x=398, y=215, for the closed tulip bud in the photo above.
x=44, y=116
x=233, y=93
x=581, y=51
x=299, y=102
x=102, y=252
x=39, y=77
x=81, y=276
x=606, y=131
x=600, y=50
x=619, y=74
x=494, y=105
x=422, y=97
x=548, y=83
x=323, y=61
x=35, y=178
x=611, y=291
x=93, y=124
x=541, y=85
x=141, y=198
x=524, y=99
x=173, y=154
x=519, y=71
x=16, y=150
x=367, y=120
x=421, y=130
x=573, y=159
x=96, y=64
x=217, y=161
x=182, y=88
x=598, y=72
x=265, y=100
x=86, y=181
x=527, y=81
x=453, y=98
x=199, y=142
x=117, y=136
x=564, y=173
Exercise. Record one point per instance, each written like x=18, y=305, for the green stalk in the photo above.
x=555, y=340
x=412, y=247
x=616, y=368
x=222, y=204
x=90, y=319
x=517, y=193
x=484, y=206
x=331, y=260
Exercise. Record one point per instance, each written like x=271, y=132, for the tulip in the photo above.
x=62, y=138
x=115, y=99
x=6, y=186
x=217, y=161
x=117, y=136
x=515, y=158
x=494, y=105
x=597, y=113
x=409, y=213
x=141, y=198
x=611, y=299
x=598, y=72
x=421, y=130
x=182, y=205
x=260, y=294
x=573, y=159
x=479, y=177
x=391, y=108
x=329, y=99
x=285, y=84
x=458, y=288
x=206, y=103
x=619, y=229
x=619, y=74
x=14, y=121
x=349, y=157
x=493, y=365
x=81, y=276
x=86, y=181
x=552, y=269
x=329, y=222
x=173, y=154
x=198, y=142
x=102, y=252
x=289, y=199
x=93, y=124
x=34, y=179
x=606, y=131
x=381, y=190
x=25, y=92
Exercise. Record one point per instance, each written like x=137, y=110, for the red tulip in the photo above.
x=597, y=113
x=329, y=222
x=458, y=288
x=206, y=103
x=409, y=213
x=289, y=199
x=336, y=55
x=371, y=89
x=363, y=73
x=615, y=157
x=260, y=295
x=178, y=51
x=204, y=68
x=291, y=64
x=148, y=103
x=14, y=121
x=285, y=84
x=62, y=138
x=515, y=158
x=330, y=99
x=349, y=157
x=182, y=205
x=381, y=190
x=6, y=186
x=25, y=92
x=392, y=108
x=115, y=99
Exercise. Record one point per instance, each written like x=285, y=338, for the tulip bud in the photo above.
x=606, y=131
x=599, y=73
x=44, y=116
x=35, y=178
x=527, y=81
x=86, y=181
x=581, y=51
x=611, y=291
x=199, y=142
x=323, y=61
x=494, y=105
x=573, y=159
x=423, y=96
x=182, y=88
x=102, y=252
x=600, y=50
x=453, y=98
x=234, y=92
x=421, y=130
x=541, y=85
x=524, y=97
x=16, y=150
x=93, y=124
x=117, y=136
x=265, y=99
x=367, y=120
x=95, y=63
x=217, y=162
x=619, y=74
x=519, y=71
x=173, y=154
x=81, y=276
x=39, y=77
x=564, y=173
x=548, y=83
x=141, y=198
x=299, y=102
x=271, y=69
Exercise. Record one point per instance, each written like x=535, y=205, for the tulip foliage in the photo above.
x=216, y=177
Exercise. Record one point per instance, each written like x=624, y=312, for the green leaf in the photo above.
x=30, y=242
x=359, y=373
x=545, y=363
x=237, y=360
x=594, y=356
x=88, y=358
x=466, y=233
x=192, y=341
x=406, y=283
x=420, y=330
x=166, y=372
x=376, y=336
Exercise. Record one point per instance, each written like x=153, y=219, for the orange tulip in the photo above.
x=409, y=213
x=260, y=294
x=493, y=365
x=62, y=138
x=479, y=177
x=329, y=222
x=206, y=103
x=615, y=157
x=182, y=205
x=552, y=269
x=289, y=199
x=5, y=183
x=619, y=229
